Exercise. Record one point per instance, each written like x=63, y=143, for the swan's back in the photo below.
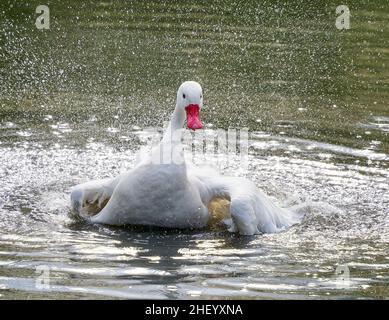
x=156, y=195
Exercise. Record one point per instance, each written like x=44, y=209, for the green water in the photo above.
x=315, y=98
x=256, y=61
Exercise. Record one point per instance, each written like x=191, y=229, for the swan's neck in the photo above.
x=173, y=132
x=170, y=150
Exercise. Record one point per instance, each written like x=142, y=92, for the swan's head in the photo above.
x=190, y=99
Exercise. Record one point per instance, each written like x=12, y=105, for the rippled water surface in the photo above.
x=79, y=100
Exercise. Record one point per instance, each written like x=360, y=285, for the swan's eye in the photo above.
x=201, y=96
x=184, y=96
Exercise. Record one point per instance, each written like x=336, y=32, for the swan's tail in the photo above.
x=272, y=218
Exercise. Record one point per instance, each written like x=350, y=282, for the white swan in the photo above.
x=163, y=190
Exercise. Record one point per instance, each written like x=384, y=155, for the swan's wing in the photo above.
x=90, y=197
x=252, y=212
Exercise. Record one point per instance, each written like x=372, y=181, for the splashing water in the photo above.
x=346, y=223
